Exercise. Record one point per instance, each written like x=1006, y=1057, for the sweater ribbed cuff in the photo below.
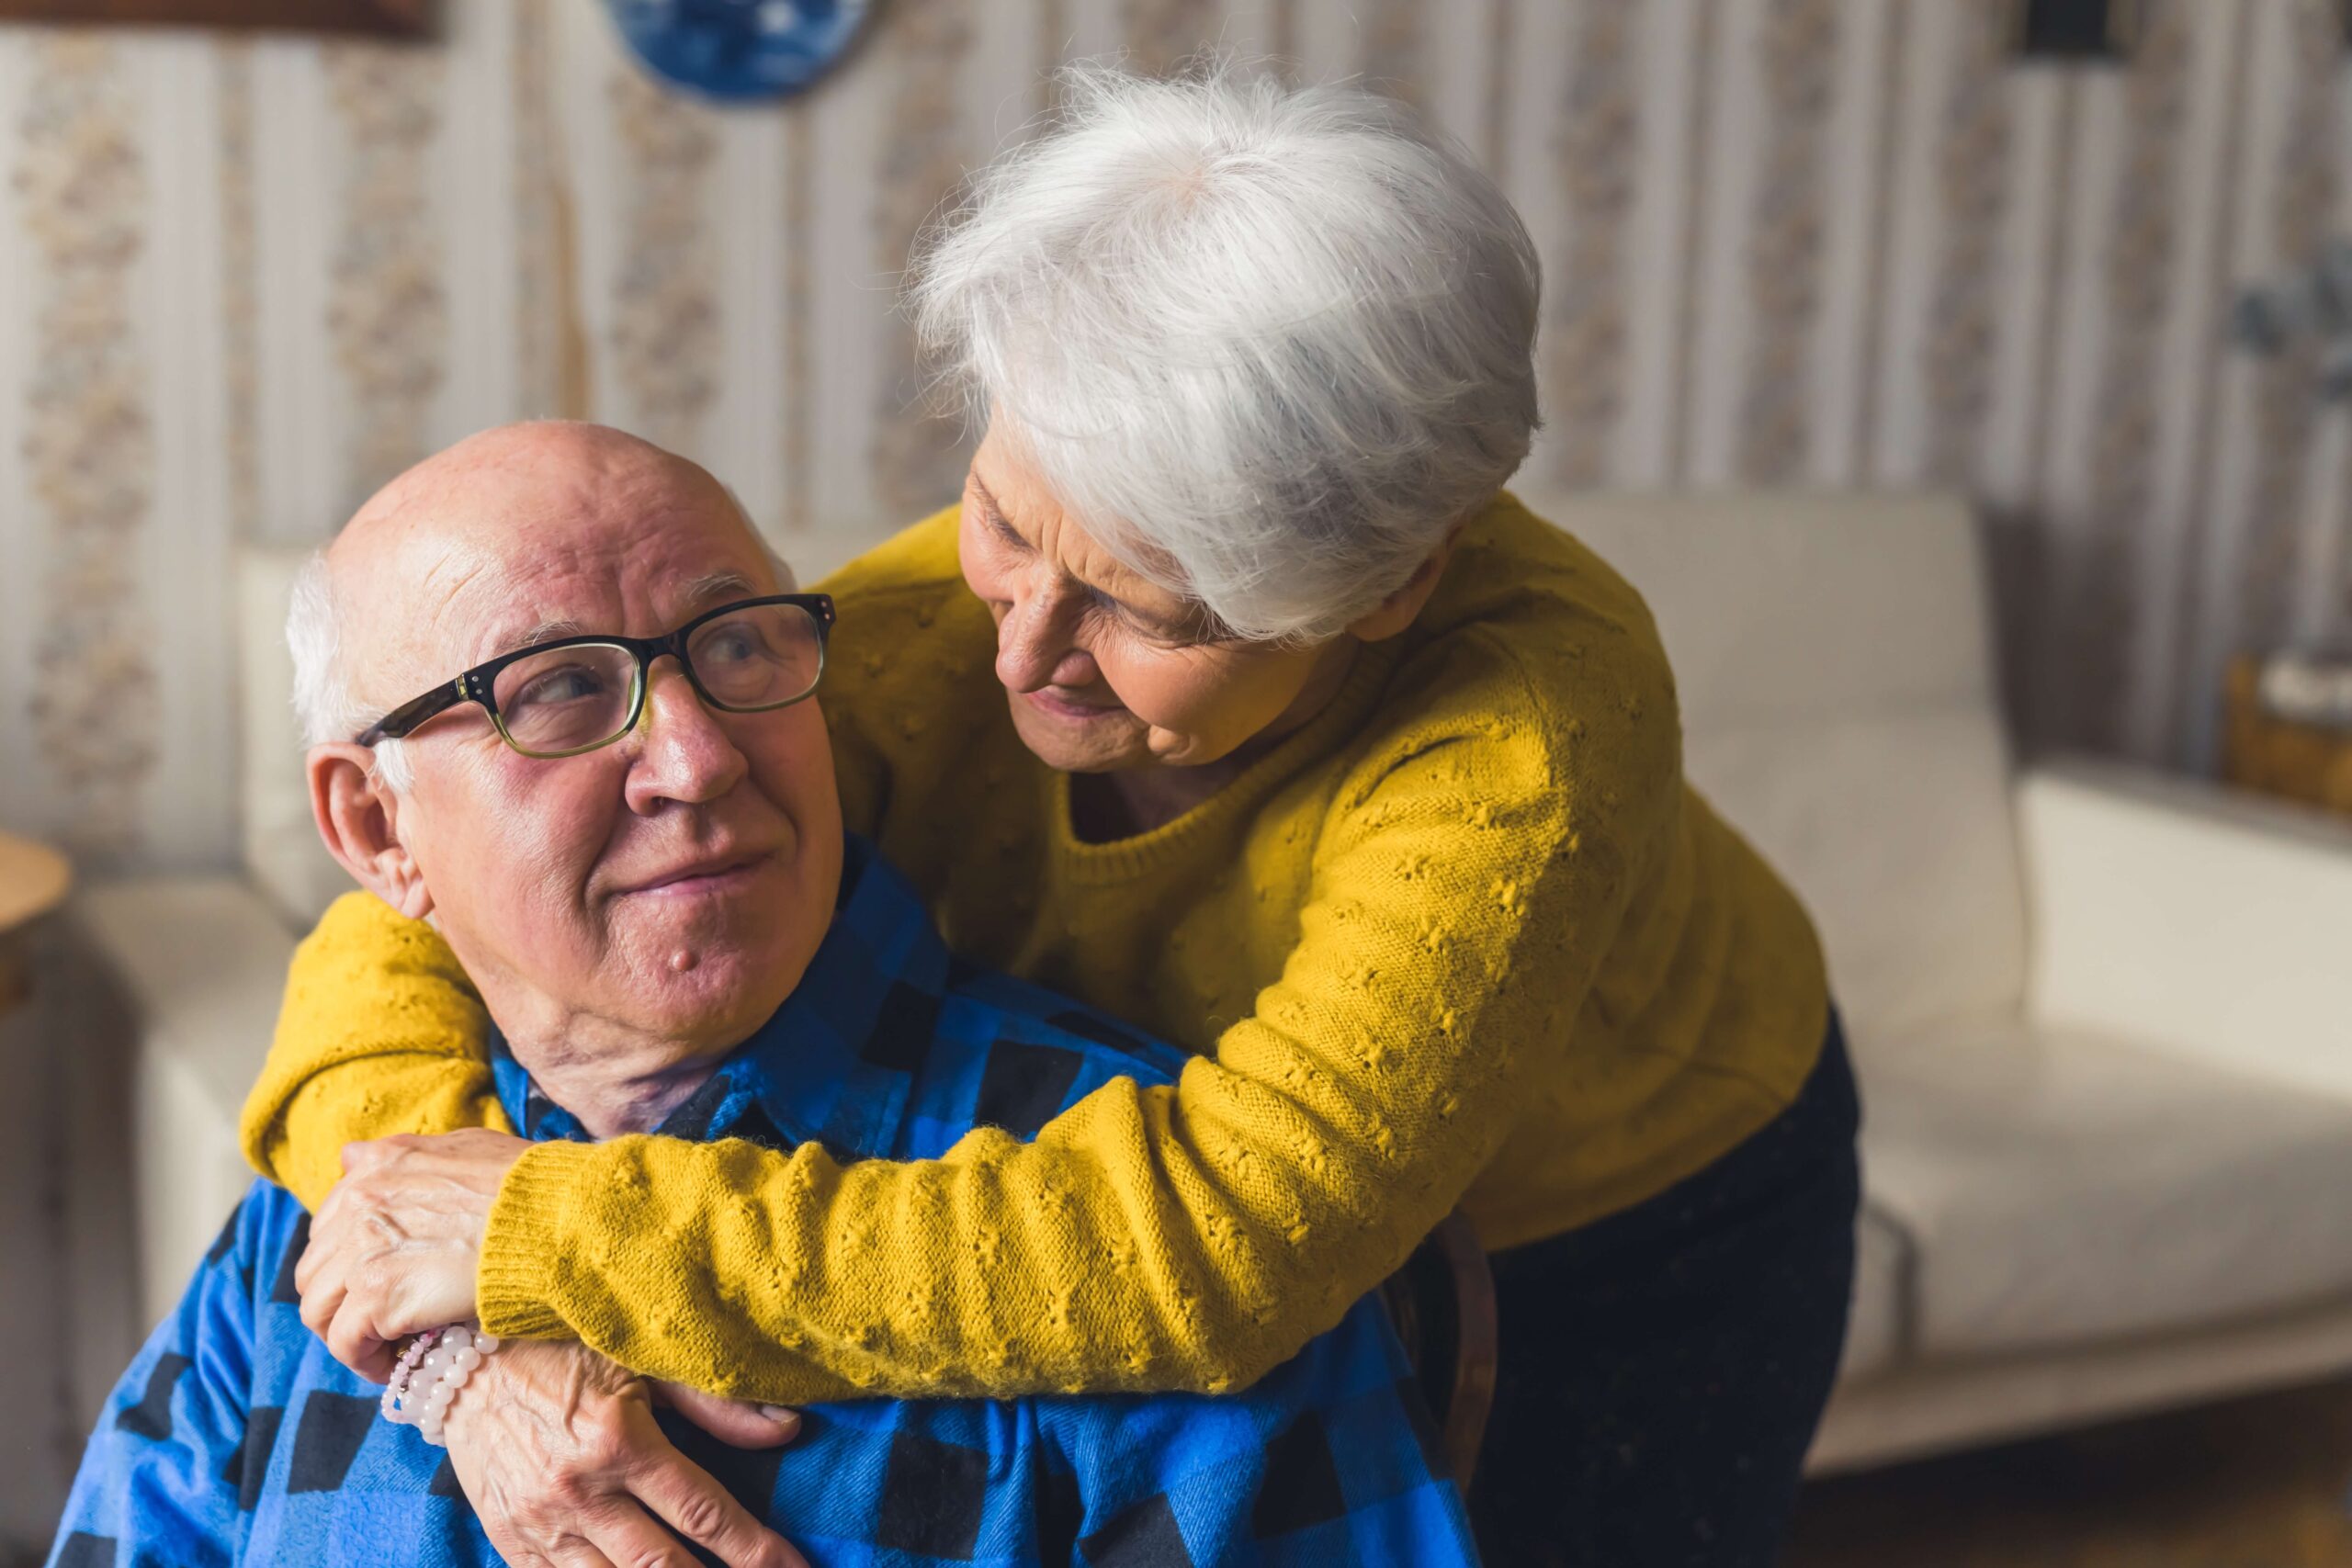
x=514, y=1287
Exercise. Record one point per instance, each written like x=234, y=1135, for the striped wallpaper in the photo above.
x=1829, y=243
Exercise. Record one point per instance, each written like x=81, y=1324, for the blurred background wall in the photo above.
x=1788, y=241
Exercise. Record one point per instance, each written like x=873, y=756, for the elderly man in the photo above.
x=618, y=809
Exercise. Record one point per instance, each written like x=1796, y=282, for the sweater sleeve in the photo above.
x=380, y=1033
x=1191, y=1236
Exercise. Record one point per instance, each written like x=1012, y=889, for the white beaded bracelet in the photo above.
x=434, y=1367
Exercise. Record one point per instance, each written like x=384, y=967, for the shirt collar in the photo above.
x=835, y=1062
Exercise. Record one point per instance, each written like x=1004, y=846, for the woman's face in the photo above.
x=1103, y=670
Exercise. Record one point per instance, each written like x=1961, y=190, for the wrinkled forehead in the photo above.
x=512, y=558
x=1016, y=500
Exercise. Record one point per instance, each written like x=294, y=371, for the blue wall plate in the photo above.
x=741, y=49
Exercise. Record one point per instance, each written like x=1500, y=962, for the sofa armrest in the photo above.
x=2176, y=915
x=201, y=961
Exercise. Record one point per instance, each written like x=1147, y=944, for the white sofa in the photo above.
x=2103, y=1022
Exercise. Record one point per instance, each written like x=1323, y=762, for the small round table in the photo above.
x=33, y=881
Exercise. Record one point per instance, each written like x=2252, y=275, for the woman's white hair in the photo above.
x=1267, y=344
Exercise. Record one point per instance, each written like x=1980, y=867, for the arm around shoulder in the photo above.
x=380, y=1033
x=1188, y=1237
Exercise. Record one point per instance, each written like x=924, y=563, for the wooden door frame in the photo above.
x=394, y=19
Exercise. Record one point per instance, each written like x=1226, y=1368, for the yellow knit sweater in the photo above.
x=1466, y=938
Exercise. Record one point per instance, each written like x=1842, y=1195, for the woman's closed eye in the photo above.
x=1193, y=627
x=1156, y=633
x=1001, y=529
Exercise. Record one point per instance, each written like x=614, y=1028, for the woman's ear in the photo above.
x=359, y=819
x=1400, y=609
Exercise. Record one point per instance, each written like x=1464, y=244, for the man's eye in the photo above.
x=732, y=645
x=571, y=684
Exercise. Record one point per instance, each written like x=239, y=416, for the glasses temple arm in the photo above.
x=410, y=714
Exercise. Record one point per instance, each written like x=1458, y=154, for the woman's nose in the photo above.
x=1034, y=646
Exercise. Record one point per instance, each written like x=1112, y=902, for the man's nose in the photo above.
x=1035, y=647
x=686, y=753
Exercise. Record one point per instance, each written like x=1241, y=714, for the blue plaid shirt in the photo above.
x=235, y=1438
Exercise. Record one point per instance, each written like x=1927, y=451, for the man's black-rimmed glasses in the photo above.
x=575, y=693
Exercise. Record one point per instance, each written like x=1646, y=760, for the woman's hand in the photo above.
x=557, y=1448
x=395, y=1247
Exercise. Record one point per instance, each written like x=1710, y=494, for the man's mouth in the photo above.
x=708, y=875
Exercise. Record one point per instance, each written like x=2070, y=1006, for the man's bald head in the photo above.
x=517, y=475
x=358, y=626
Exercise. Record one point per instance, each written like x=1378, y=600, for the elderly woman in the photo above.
x=1237, y=699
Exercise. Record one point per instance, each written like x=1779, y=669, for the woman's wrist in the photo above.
x=433, y=1369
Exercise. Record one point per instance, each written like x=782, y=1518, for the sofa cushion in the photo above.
x=1790, y=605
x=202, y=962
x=282, y=852
x=2061, y=1188
x=1835, y=679
x=1896, y=830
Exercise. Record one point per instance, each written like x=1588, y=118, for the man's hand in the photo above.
x=395, y=1247
x=557, y=1450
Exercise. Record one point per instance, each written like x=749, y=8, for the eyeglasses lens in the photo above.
x=759, y=657
x=572, y=699
x=567, y=698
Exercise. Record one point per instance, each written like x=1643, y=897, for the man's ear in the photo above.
x=1400, y=609
x=359, y=819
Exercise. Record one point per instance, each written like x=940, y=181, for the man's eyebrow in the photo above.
x=549, y=631
x=719, y=585
x=703, y=589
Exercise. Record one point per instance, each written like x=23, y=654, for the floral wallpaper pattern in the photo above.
x=1799, y=44
x=80, y=177
x=665, y=306
x=918, y=448
x=2138, y=257
x=1593, y=144
x=1972, y=174
x=387, y=310
x=248, y=276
